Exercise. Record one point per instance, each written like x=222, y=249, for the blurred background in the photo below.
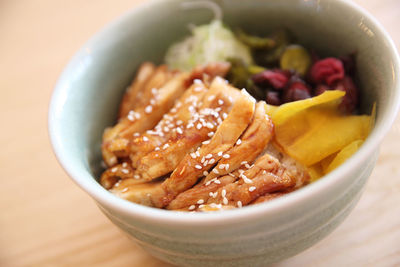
x=46, y=220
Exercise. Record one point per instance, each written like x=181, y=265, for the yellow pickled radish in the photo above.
x=285, y=111
x=314, y=134
x=270, y=109
x=343, y=155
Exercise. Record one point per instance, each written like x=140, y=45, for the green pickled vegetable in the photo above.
x=297, y=58
x=255, y=42
x=271, y=57
x=240, y=76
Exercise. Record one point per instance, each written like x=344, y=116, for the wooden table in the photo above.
x=46, y=220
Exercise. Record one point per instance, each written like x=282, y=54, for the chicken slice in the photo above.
x=139, y=193
x=146, y=70
x=207, y=119
x=268, y=197
x=199, y=194
x=144, y=118
x=190, y=169
x=266, y=175
x=209, y=71
x=113, y=175
x=166, y=129
x=253, y=141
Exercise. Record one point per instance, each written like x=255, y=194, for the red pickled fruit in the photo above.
x=350, y=100
x=297, y=90
x=328, y=71
x=275, y=78
x=273, y=98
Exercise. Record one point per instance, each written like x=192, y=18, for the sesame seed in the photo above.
x=114, y=169
x=208, y=183
x=225, y=201
x=246, y=180
x=211, y=161
x=201, y=206
x=193, y=155
x=215, y=171
x=211, y=98
x=224, y=116
x=192, y=207
x=136, y=134
x=145, y=138
x=218, y=109
x=190, y=125
x=211, y=194
x=199, y=126
x=173, y=110
x=264, y=172
x=197, y=81
x=205, y=163
x=165, y=146
x=210, y=134
x=148, y=109
x=223, y=193
x=238, y=142
x=203, y=159
x=208, y=156
x=197, y=152
x=252, y=188
x=220, y=101
x=226, y=156
x=209, y=125
x=226, y=167
x=239, y=204
x=220, y=153
x=198, y=166
x=166, y=129
x=179, y=122
x=157, y=149
x=124, y=190
x=124, y=164
x=152, y=102
x=219, y=121
x=179, y=130
x=136, y=176
x=206, y=142
x=231, y=174
x=247, y=166
x=205, y=173
x=243, y=162
x=130, y=117
x=221, y=166
x=200, y=201
x=217, y=181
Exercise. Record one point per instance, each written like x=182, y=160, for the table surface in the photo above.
x=46, y=220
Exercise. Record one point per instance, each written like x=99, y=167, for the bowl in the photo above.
x=87, y=95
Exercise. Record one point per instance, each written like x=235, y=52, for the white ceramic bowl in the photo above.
x=87, y=94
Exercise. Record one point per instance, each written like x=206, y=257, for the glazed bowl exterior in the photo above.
x=86, y=98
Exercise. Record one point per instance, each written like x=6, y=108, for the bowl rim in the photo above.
x=166, y=217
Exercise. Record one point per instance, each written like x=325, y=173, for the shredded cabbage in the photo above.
x=208, y=43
